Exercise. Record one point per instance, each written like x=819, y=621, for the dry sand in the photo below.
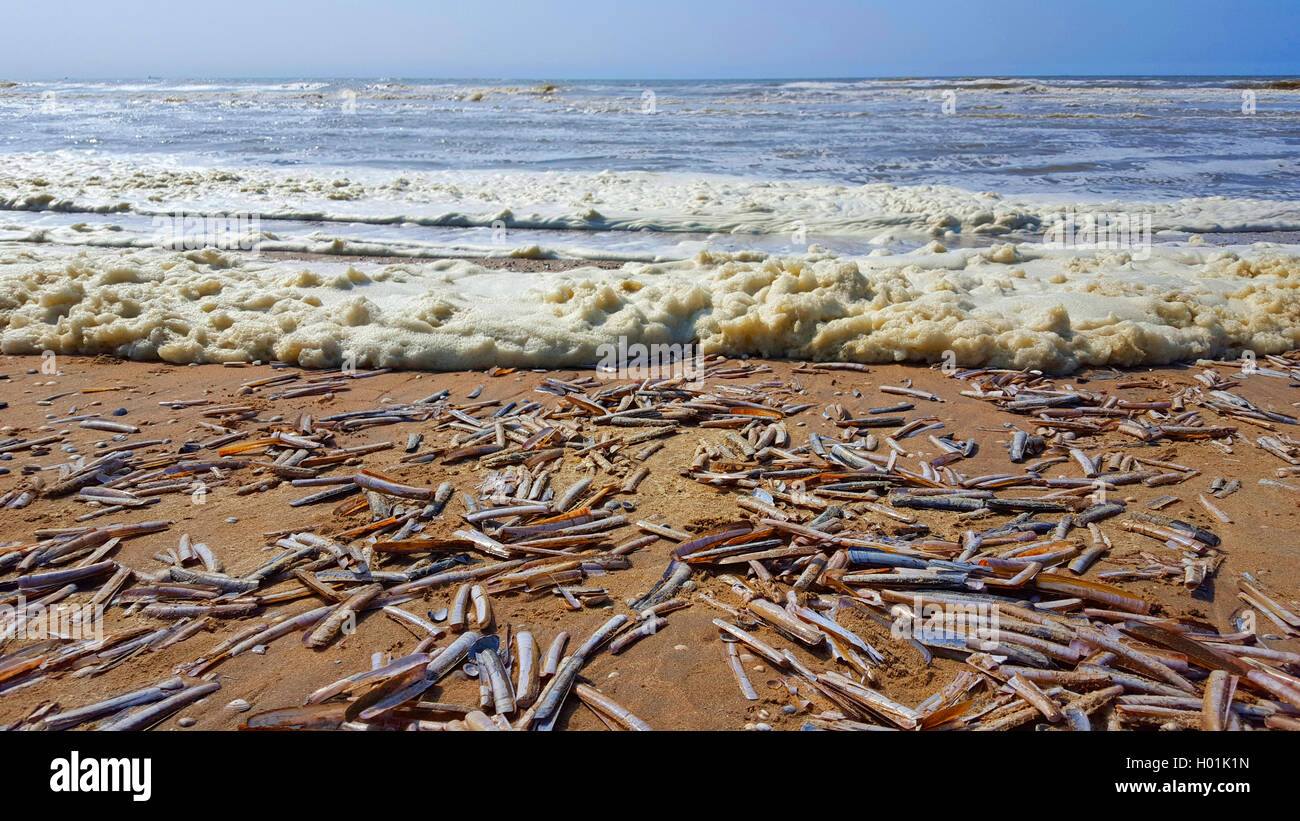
x=678, y=678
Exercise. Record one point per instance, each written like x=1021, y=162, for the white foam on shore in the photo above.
x=1017, y=306
x=606, y=201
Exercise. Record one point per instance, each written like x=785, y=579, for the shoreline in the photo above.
x=514, y=264
x=1025, y=306
x=650, y=678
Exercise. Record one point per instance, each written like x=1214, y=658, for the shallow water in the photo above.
x=623, y=170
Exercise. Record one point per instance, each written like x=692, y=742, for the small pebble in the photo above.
x=186, y=721
x=679, y=647
x=230, y=520
x=763, y=728
x=789, y=709
x=238, y=706
x=120, y=412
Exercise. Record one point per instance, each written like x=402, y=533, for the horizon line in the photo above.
x=552, y=79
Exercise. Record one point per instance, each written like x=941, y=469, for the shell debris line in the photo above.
x=821, y=546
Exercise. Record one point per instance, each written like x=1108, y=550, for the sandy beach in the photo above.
x=679, y=676
x=320, y=405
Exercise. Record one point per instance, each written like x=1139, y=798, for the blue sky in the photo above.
x=652, y=39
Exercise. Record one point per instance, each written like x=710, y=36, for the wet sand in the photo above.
x=679, y=677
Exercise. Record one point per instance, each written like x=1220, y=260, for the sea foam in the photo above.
x=623, y=201
x=1021, y=306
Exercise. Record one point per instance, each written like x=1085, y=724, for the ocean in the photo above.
x=1047, y=222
